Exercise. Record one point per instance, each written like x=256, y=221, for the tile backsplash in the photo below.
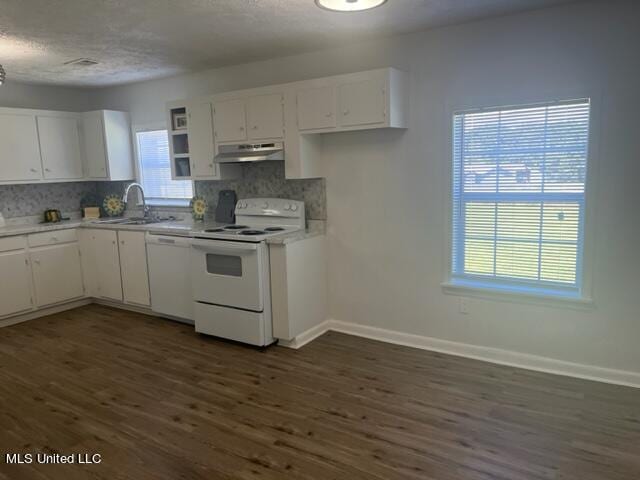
x=265, y=179
x=34, y=199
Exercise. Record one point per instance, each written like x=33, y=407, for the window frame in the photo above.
x=151, y=201
x=483, y=288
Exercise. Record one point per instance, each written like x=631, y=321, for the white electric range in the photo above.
x=230, y=270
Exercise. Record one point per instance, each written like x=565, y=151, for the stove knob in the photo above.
x=239, y=205
x=287, y=206
x=265, y=205
x=294, y=207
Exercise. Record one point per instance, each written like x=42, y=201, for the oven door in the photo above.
x=230, y=274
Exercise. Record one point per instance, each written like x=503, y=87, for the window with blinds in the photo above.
x=155, y=168
x=519, y=197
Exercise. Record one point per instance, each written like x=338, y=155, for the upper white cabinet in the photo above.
x=316, y=108
x=60, y=147
x=191, y=145
x=107, y=146
x=362, y=102
x=200, y=131
x=20, y=160
x=230, y=121
x=266, y=116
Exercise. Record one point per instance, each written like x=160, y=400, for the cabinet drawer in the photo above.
x=12, y=243
x=52, y=238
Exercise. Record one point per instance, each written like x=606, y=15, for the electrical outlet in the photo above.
x=464, y=306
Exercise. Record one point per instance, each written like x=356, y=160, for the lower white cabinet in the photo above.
x=133, y=267
x=15, y=294
x=57, y=273
x=115, y=265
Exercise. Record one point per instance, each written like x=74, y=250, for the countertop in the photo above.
x=186, y=228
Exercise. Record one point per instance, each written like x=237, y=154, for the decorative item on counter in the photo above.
x=198, y=207
x=91, y=213
x=225, y=210
x=113, y=205
x=53, y=216
x=89, y=200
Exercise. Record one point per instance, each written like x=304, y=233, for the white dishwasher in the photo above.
x=170, y=276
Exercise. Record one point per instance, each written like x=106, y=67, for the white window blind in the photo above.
x=519, y=197
x=155, y=169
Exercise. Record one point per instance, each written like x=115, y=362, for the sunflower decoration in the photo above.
x=113, y=205
x=198, y=207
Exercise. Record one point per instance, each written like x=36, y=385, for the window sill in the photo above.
x=488, y=293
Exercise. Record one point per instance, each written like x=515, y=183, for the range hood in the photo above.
x=260, y=152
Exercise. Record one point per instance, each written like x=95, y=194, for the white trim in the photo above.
x=492, y=355
x=306, y=337
x=43, y=312
x=579, y=303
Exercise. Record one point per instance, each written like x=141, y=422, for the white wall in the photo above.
x=386, y=190
x=25, y=95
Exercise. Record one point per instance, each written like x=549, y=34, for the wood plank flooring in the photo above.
x=159, y=401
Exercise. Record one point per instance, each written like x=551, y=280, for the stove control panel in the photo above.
x=270, y=207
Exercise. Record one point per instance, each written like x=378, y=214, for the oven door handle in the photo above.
x=223, y=247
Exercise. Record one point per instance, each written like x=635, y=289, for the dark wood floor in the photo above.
x=158, y=401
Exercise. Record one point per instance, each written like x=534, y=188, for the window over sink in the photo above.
x=154, y=170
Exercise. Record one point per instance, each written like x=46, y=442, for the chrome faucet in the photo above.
x=145, y=207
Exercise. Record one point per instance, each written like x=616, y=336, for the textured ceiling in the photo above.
x=142, y=39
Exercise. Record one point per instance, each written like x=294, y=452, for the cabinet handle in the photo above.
x=345, y=112
x=122, y=242
x=47, y=170
x=242, y=129
x=33, y=170
x=328, y=114
x=54, y=239
x=113, y=242
x=255, y=127
x=37, y=262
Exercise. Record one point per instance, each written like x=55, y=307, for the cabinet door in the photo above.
x=107, y=264
x=362, y=103
x=57, y=274
x=15, y=294
x=133, y=265
x=200, y=131
x=316, y=108
x=93, y=143
x=60, y=148
x=20, y=159
x=229, y=121
x=266, y=117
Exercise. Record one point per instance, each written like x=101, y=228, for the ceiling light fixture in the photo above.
x=3, y=75
x=349, y=5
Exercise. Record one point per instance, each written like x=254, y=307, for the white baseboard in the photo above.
x=488, y=354
x=43, y=312
x=306, y=337
x=124, y=306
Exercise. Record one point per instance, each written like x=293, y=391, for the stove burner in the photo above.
x=214, y=230
x=252, y=232
x=235, y=227
x=273, y=229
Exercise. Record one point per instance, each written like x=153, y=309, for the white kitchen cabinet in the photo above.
x=316, y=108
x=60, y=147
x=266, y=116
x=230, y=121
x=107, y=264
x=15, y=277
x=57, y=273
x=133, y=267
x=107, y=145
x=20, y=160
x=362, y=102
x=200, y=131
